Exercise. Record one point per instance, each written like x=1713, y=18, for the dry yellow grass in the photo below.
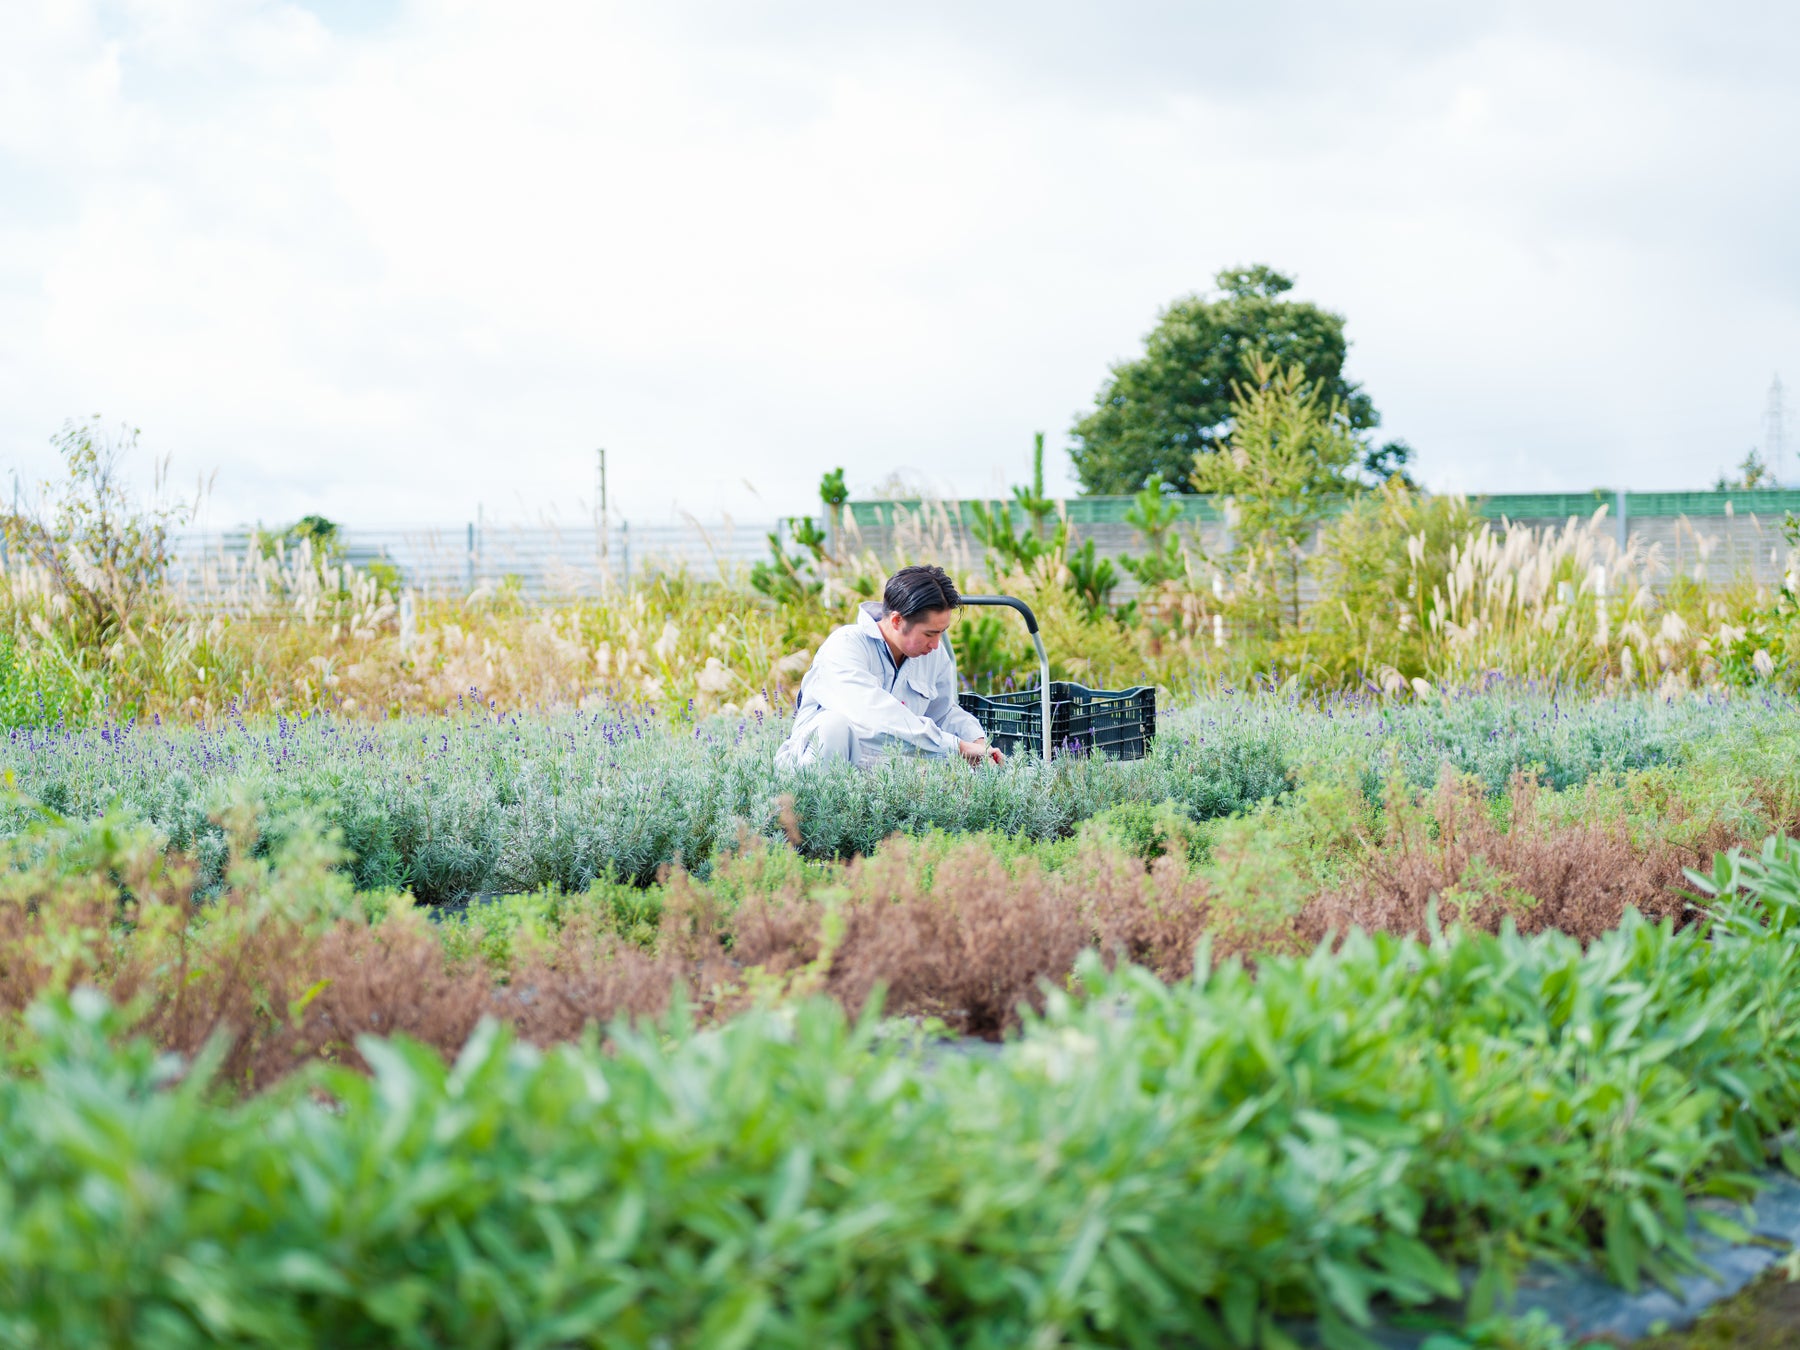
x=289, y=631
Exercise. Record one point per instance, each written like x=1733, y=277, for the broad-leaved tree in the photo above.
x=1156, y=413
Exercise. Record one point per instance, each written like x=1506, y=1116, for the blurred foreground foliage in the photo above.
x=1210, y=1159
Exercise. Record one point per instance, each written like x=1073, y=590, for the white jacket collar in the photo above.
x=868, y=622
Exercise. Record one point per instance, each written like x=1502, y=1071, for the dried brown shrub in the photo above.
x=960, y=935
x=285, y=997
x=1152, y=917
x=1575, y=878
x=91, y=923
x=124, y=923
x=588, y=976
x=385, y=979
x=284, y=993
x=29, y=961
x=780, y=933
x=969, y=949
x=966, y=939
x=240, y=982
x=695, y=921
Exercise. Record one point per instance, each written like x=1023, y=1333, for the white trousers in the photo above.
x=833, y=736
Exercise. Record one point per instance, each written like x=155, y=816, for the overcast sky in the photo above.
x=389, y=261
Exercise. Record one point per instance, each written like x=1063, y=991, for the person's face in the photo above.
x=920, y=636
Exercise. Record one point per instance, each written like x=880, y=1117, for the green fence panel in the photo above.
x=1766, y=502
x=1557, y=506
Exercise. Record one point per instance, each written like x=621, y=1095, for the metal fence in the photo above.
x=542, y=561
x=1715, y=535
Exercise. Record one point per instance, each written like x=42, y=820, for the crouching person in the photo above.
x=888, y=683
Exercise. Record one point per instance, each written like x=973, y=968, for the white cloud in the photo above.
x=392, y=271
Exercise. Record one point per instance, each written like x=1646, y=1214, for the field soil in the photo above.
x=1764, y=1316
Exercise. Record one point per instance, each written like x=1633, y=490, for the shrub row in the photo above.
x=292, y=967
x=476, y=803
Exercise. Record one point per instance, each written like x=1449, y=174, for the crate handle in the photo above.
x=1031, y=626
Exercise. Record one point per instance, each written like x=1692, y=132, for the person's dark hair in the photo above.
x=913, y=591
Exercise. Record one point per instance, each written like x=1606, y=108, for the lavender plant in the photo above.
x=478, y=801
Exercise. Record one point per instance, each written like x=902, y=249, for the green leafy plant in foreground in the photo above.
x=1150, y=1164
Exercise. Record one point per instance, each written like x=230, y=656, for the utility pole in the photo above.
x=1775, y=431
x=600, y=455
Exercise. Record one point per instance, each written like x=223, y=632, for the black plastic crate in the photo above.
x=1116, y=724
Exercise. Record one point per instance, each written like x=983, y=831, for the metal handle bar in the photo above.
x=1031, y=626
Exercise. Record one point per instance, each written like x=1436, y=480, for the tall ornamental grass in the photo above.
x=1398, y=592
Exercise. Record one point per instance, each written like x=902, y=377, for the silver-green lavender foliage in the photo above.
x=478, y=802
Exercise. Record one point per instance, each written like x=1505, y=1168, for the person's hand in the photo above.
x=977, y=753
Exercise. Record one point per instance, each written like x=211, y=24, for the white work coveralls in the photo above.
x=855, y=704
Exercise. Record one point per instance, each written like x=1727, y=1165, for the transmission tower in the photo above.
x=1775, y=431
